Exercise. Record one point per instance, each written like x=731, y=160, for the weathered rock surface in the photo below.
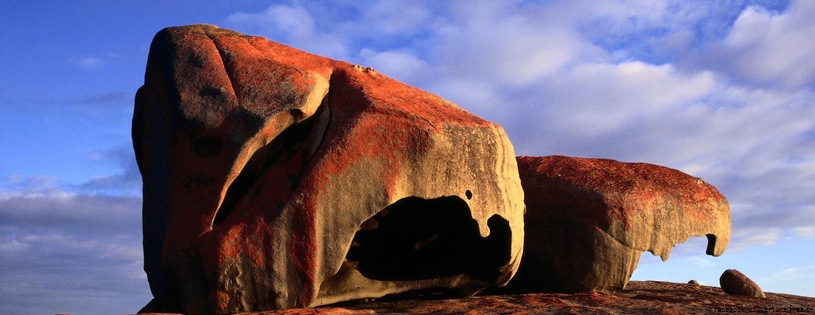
x=734, y=282
x=648, y=297
x=275, y=179
x=589, y=220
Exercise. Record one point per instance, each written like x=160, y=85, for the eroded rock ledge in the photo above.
x=274, y=178
x=589, y=220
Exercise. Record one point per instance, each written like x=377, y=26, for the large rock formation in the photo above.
x=274, y=178
x=589, y=220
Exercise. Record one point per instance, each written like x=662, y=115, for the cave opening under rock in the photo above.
x=416, y=238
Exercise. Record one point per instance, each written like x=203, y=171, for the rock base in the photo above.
x=639, y=297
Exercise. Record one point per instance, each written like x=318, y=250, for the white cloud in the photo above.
x=57, y=245
x=395, y=17
x=292, y=25
x=401, y=65
x=771, y=48
x=97, y=61
x=59, y=209
x=700, y=261
x=19, y=184
x=596, y=99
x=805, y=232
x=508, y=45
x=755, y=236
x=767, y=223
x=89, y=62
x=128, y=182
x=788, y=276
x=12, y=247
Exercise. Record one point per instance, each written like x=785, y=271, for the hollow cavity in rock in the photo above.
x=417, y=238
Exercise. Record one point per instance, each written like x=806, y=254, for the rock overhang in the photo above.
x=263, y=164
x=589, y=220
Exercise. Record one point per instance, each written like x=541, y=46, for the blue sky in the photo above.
x=723, y=90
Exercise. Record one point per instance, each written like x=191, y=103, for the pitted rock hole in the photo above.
x=416, y=238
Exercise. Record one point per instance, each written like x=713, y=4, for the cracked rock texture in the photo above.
x=589, y=220
x=277, y=179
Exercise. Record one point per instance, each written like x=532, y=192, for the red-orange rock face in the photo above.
x=274, y=178
x=589, y=220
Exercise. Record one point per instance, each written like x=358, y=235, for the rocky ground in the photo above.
x=639, y=297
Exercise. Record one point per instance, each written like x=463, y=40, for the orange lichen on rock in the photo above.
x=589, y=220
x=263, y=163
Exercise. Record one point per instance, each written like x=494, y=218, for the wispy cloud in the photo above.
x=73, y=248
x=291, y=24
x=95, y=62
x=104, y=98
x=796, y=277
x=126, y=183
x=700, y=261
x=403, y=64
x=57, y=246
x=88, y=62
x=102, y=106
x=805, y=232
x=770, y=48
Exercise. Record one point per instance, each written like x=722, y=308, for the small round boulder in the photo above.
x=734, y=282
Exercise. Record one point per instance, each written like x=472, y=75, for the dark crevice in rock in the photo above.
x=416, y=239
x=287, y=145
x=225, y=59
x=323, y=117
